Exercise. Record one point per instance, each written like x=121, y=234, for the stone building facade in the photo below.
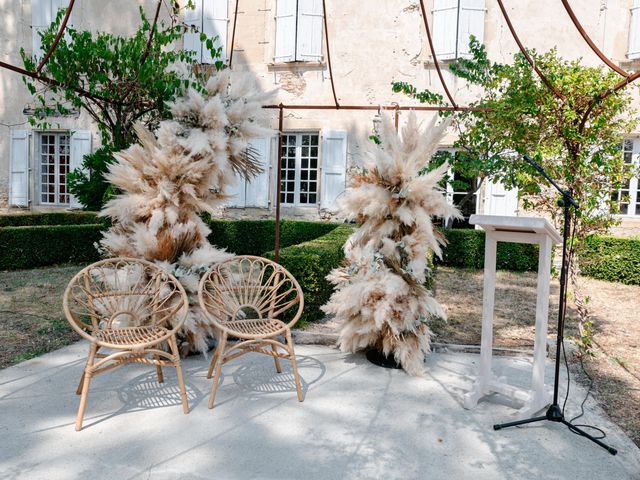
x=282, y=43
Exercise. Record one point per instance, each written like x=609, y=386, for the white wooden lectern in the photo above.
x=517, y=230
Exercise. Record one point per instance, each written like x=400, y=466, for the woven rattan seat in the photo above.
x=131, y=335
x=132, y=308
x=245, y=298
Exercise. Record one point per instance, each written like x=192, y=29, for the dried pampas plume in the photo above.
x=380, y=298
x=168, y=179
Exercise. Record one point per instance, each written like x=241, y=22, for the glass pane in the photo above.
x=303, y=198
x=624, y=208
x=314, y=139
x=314, y=163
x=313, y=174
x=305, y=163
x=304, y=174
x=312, y=198
x=305, y=139
x=289, y=198
x=314, y=151
x=305, y=151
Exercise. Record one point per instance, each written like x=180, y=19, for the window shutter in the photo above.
x=42, y=14
x=334, y=168
x=193, y=17
x=445, y=28
x=309, y=34
x=237, y=193
x=634, y=31
x=215, y=19
x=257, y=193
x=19, y=181
x=80, y=146
x=471, y=22
x=285, y=31
x=500, y=201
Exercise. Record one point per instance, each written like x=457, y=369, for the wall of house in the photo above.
x=372, y=44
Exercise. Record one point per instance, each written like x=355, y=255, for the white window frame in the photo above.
x=298, y=168
x=634, y=182
x=634, y=31
x=43, y=13
x=449, y=191
x=292, y=37
x=465, y=11
x=205, y=13
x=39, y=165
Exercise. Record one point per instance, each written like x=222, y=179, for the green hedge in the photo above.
x=310, y=262
x=254, y=237
x=52, y=218
x=31, y=247
x=610, y=258
x=465, y=249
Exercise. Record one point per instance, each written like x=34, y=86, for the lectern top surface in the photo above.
x=533, y=225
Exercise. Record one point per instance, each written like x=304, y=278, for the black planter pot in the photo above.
x=380, y=359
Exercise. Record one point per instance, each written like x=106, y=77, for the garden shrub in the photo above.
x=310, y=262
x=254, y=237
x=50, y=218
x=465, y=249
x=612, y=259
x=38, y=246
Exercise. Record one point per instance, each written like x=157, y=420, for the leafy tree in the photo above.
x=118, y=80
x=577, y=143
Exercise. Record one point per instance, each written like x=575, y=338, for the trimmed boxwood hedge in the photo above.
x=465, y=249
x=612, y=259
x=31, y=247
x=310, y=262
x=50, y=218
x=254, y=237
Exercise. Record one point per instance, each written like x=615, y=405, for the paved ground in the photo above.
x=358, y=421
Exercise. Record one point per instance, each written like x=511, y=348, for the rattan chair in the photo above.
x=124, y=305
x=248, y=298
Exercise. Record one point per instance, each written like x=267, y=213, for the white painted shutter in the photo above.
x=215, y=19
x=80, y=146
x=309, y=34
x=500, y=201
x=237, y=193
x=193, y=17
x=19, y=168
x=445, y=28
x=257, y=193
x=471, y=22
x=285, y=31
x=634, y=31
x=42, y=14
x=334, y=168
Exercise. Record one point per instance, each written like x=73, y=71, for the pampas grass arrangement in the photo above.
x=168, y=179
x=380, y=298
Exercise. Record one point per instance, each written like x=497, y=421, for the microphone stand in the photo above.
x=555, y=413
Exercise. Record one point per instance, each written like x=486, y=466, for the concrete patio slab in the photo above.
x=357, y=421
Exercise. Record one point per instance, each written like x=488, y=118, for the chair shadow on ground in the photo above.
x=253, y=377
x=256, y=377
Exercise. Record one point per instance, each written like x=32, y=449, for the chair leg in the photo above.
x=81, y=382
x=276, y=359
x=86, y=380
x=159, y=369
x=219, y=363
x=173, y=345
x=294, y=365
x=214, y=357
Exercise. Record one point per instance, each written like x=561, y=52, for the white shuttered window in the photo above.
x=19, y=168
x=210, y=17
x=43, y=13
x=299, y=26
x=454, y=21
x=334, y=168
x=634, y=31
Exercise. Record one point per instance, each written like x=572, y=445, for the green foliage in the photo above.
x=610, y=258
x=30, y=247
x=465, y=249
x=49, y=218
x=310, y=262
x=119, y=81
x=254, y=237
x=88, y=184
x=576, y=140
